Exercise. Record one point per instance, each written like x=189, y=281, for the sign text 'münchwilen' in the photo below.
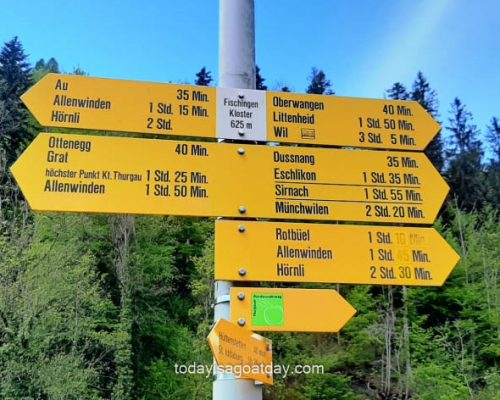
x=95, y=174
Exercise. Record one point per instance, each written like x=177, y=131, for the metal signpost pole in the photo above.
x=236, y=70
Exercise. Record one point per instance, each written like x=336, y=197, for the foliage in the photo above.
x=318, y=84
x=438, y=382
x=464, y=170
x=105, y=307
x=398, y=92
x=15, y=70
x=492, y=184
x=203, y=77
x=494, y=139
x=427, y=98
x=42, y=68
x=15, y=79
x=58, y=323
x=259, y=80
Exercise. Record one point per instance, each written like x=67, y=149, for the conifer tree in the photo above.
x=398, y=92
x=318, y=83
x=203, y=78
x=494, y=138
x=423, y=94
x=259, y=80
x=15, y=70
x=79, y=71
x=40, y=64
x=464, y=132
x=427, y=98
x=42, y=68
x=50, y=66
x=464, y=170
x=15, y=73
x=493, y=168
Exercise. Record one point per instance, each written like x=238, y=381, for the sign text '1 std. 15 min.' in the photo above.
x=82, y=102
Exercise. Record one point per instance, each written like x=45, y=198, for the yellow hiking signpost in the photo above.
x=289, y=310
x=349, y=121
x=103, y=174
x=61, y=172
x=244, y=352
x=353, y=254
x=74, y=101
x=82, y=102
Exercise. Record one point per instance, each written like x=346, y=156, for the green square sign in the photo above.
x=268, y=309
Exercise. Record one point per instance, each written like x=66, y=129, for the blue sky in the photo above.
x=362, y=45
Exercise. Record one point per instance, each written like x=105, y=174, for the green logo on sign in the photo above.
x=268, y=310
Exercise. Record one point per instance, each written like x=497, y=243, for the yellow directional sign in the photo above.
x=73, y=101
x=354, y=254
x=347, y=121
x=241, y=352
x=290, y=310
x=60, y=172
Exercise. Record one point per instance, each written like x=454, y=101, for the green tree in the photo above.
x=122, y=233
x=427, y=98
x=79, y=71
x=423, y=94
x=50, y=66
x=398, y=92
x=464, y=170
x=494, y=139
x=169, y=325
x=203, y=77
x=464, y=132
x=15, y=79
x=259, y=80
x=15, y=69
x=56, y=332
x=42, y=68
x=318, y=84
x=493, y=167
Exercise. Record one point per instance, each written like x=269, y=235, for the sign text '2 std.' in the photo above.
x=82, y=102
x=60, y=172
x=73, y=101
x=326, y=253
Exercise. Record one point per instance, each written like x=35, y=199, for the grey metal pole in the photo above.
x=237, y=44
x=236, y=70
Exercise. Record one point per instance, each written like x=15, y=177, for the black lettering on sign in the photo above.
x=60, y=85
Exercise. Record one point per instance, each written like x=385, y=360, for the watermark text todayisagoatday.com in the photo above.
x=239, y=370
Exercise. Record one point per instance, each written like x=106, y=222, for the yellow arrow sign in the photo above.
x=348, y=121
x=241, y=352
x=81, y=173
x=290, y=310
x=73, y=101
x=361, y=254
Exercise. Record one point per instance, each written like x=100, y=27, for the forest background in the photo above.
x=103, y=307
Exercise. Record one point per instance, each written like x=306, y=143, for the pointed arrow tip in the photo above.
x=36, y=98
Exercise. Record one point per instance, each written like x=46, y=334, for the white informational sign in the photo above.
x=241, y=114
